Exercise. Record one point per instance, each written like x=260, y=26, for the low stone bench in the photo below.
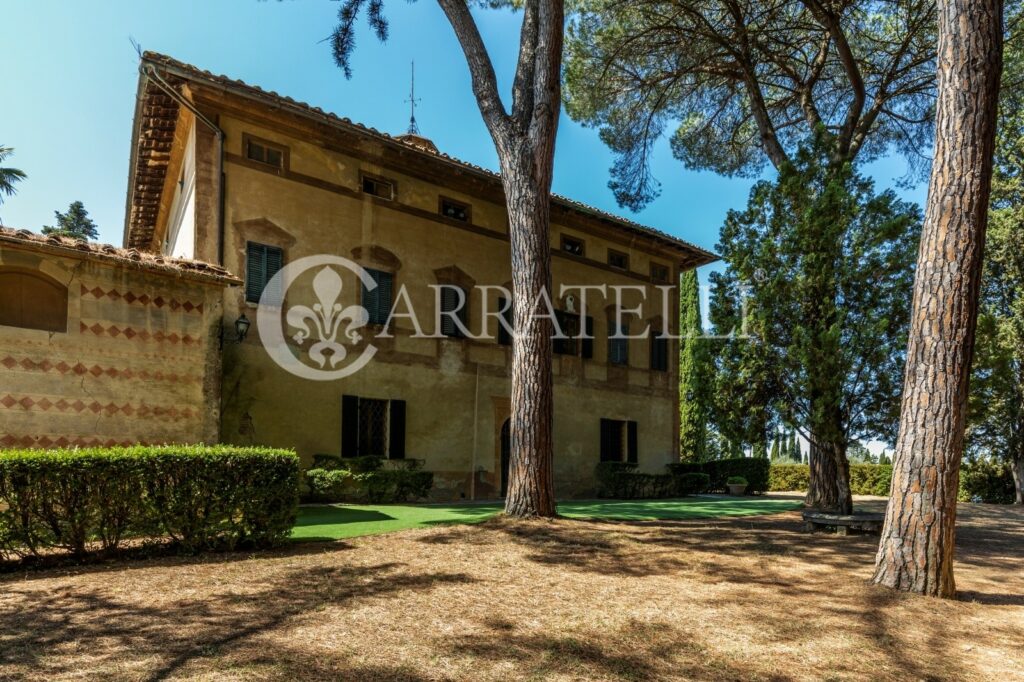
x=870, y=522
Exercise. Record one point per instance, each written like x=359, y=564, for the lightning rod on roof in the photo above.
x=413, y=128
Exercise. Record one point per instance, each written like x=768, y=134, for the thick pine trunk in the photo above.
x=531, y=479
x=917, y=545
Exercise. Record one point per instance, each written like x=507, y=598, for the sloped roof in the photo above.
x=151, y=142
x=77, y=248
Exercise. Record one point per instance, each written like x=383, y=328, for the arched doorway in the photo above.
x=506, y=454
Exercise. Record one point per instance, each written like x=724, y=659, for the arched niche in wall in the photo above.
x=31, y=300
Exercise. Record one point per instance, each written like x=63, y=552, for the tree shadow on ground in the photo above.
x=188, y=630
x=96, y=564
x=636, y=651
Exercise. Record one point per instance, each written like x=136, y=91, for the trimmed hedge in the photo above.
x=621, y=480
x=870, y=479
x=199, y=497
x=691, y=484
x=754, y=469
x=784, y=477
x=865, y=479
x=979, y=481
x=364, y=479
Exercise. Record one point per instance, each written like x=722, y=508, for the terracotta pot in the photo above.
x=736, y=488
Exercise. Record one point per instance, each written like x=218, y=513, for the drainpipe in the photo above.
x=476, y=412
x=150, y=71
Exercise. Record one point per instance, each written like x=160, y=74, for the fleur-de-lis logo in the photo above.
x=327, y=323
x=326, y=317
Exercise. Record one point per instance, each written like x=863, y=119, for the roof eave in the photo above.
x=133, y=155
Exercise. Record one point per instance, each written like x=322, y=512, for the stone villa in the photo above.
x=225, y=173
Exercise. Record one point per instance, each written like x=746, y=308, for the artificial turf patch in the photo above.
x=334, y=522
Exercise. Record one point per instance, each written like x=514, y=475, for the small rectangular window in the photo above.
x=379, y=187
x=455, y=210
x=618, y=260
x=377, y=301
x=659, y=353
x=261, y=264
x=659, y=272
x=618, y=346
x=263, y=151
x=573, y=245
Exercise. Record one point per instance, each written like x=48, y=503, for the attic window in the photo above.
x=618, y=260
x=659, y=272
x=573, y=245
x=379, y=187
x=456, y=210
x=262, y=151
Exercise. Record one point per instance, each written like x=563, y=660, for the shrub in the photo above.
x=984, y=481
x=691, y=484
x=754, y=469
x=327, y=485
x=870, y=479
x=865, y=479
x=789, y=477
x=736, y=480
x=200, y=497
x=611, y=481
x=621, y=480
x=364, y=479
x=329, y=462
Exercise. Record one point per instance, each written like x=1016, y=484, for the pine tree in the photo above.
x=918, y=541
x=775, y=449
x=524, y=140
x=76, y=223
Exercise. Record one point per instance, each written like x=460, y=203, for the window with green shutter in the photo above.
x=262, y=262
x=618, y=345
x=659, y=352
x=377, y=301
x=454, y=304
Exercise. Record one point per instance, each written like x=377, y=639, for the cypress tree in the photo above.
x=694, y=372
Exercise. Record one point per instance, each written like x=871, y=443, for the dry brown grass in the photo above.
x=742, y=599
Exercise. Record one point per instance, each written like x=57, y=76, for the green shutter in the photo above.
x=349, y=426
x=587, y=350
x=262, y=262
x=255, y=273
x=396, y=429
x=504, y=337
x=631, y=444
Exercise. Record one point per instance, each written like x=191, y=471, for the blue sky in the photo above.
x=70, y=75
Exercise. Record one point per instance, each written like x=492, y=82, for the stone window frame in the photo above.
x=380, y=179
x=467, y=207
x=614, y=253
x=566, y=239
x=284, y=150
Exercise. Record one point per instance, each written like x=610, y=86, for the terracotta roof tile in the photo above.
x=184, y=70
x=77, y=248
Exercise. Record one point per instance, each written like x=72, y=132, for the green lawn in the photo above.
x=333, y=522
